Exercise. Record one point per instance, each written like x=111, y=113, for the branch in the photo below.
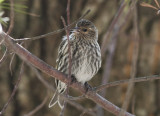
x=69, y=50
x=11, y=17
x=68, y=99
x=135, y=80
x=134, y=62
x=37, y=108
x=14, y=91
x=44, y=67
x=111, y=27
x=54, y=32
x=4, y=56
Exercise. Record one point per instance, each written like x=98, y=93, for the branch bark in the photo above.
x=44, y=67
x=30, y=58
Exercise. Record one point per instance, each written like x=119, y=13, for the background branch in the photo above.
x=14, y=91
x=38, y=107
x=30, y=58
x=134, y=62
x=54, y=32
x=11, y=17
x=135, y=80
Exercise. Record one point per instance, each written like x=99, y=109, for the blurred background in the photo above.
x=130, y=48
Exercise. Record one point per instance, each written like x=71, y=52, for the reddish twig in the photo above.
x=30, y=58
x=14, y=90
x=11, y=17
x=37, y=108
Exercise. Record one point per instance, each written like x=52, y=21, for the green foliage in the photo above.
x=1, y=1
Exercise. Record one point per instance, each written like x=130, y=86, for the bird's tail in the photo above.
x=56, y=98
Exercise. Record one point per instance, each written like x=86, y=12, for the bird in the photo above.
x=85, y=57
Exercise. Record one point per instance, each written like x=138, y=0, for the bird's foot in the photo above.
x=87, y=87
x=73, y=79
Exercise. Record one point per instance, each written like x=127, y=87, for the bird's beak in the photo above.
x=75, y=30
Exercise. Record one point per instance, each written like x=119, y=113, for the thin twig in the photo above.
x=26, y=56
x=4, y=56
x=10, y=64
x=86, y=111
x=69, y=99
x=11, y=17
x=45, y=83
x=49, y=86
x=14, y=90
x=68, y=13
x=75, y=98
x=54, y=32
x=133, y=105
x=134, y=64
x=69, y=50
x=38, y=107
x=115, y=28
x=81, y=108
x=106, y=37
x=67, y=32
x=135, y=80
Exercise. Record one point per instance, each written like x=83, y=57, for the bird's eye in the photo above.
x=84, y=30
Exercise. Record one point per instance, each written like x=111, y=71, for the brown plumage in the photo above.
x=85, y=56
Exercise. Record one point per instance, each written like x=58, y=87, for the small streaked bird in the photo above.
x=85, y=57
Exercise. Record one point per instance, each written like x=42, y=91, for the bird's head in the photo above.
x=85, y=29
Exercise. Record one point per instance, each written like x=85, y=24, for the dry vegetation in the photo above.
x=129, y=38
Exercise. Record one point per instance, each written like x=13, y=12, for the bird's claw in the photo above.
x=87, y=87
x=73, y=79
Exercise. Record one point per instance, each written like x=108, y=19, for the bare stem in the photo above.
x=69, y=49
x=14, y=91
x=11, y=17
x=135, y=80
x=4, y=56
x=52, y=33
x=134, y=63
x=106, y=37
x=38, y=107
x=26, y=56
